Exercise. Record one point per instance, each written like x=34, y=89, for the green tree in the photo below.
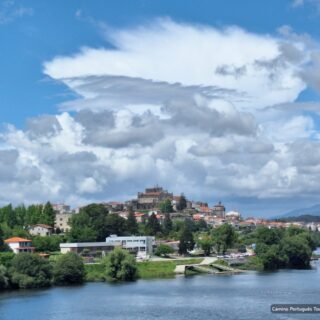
x=6, y=258
x=89, y=224
x=120, y=265
x=167, y=224
x=47, y=244
x=131, y=223
x=269, y=236
x=201, y=225
x=8, y=216
x=271, y=257
x=30, y=271
x=182, y=203
x=3, y=245
x=186, y=240
x=68, y=269
x=153, y=225
x=34, y=214
x=297, y=251
x=206, y=244
x=224, y=237
x=115, y=224
x=21, y=215
x=48, y=215
x=81, y=234
x=164, y=250
x=166, y=206
x=4, y=278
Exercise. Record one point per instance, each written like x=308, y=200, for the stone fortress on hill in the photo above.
x=152, y=197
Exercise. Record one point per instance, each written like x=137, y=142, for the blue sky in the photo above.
x=54, y=29
x=267, y=103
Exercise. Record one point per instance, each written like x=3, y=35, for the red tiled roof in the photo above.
x=138, y=214
x=16, y=239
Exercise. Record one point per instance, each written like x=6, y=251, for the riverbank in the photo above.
x=146, y=270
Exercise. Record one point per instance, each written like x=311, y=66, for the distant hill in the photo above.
x=310, y=211
x=303, y=218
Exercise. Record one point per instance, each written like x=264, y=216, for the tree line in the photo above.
x=16, y=220
x=28, y=270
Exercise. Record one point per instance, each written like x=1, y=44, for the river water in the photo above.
x=246, y=296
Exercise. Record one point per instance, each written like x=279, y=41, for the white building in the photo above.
x=233, y=215
x=18, y=245
x=40, y=230
x=91, y=247
x=141, y=245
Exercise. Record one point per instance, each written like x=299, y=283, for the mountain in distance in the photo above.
x=310, y=211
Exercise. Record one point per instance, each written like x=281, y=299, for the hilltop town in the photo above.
x=153, y=200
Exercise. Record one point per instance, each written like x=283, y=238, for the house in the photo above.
x=40, y=230
x=140, y=245
x=18, y=245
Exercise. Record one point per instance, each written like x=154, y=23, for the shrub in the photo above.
x=47, y=243
x=164, y=250
x=68, y=269
x=6, y=258
x=30, y=271
x=4, y=277
x=120, y=266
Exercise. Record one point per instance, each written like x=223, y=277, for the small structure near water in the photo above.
x=208, y=265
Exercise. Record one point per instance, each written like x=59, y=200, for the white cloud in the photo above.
x=169, y=53
x=206, y=111
x=297, y=3
x=10, y=10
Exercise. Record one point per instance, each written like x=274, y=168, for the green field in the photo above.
x=147, y=270
x=162, y=269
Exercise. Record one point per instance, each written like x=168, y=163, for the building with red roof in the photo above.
x=18, y=244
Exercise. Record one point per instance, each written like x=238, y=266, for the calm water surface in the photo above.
x=247, y=296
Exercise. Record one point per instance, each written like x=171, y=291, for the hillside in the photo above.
x=303, y=218
x=310, y=211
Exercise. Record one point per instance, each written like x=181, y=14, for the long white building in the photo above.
x=141, y=245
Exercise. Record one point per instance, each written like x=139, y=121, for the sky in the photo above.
x=215, y=99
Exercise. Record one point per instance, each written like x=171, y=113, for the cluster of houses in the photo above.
x=147, y=203
x=144, y=205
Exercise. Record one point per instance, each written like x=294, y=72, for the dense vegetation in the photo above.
x=120, y=265
x=20, y=217
x=28, y=270
x=282, y=248
x=68, y=269
x=94, y=223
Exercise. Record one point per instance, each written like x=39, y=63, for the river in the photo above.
x=246, y=296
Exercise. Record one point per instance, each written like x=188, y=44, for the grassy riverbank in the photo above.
x=147, y=270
